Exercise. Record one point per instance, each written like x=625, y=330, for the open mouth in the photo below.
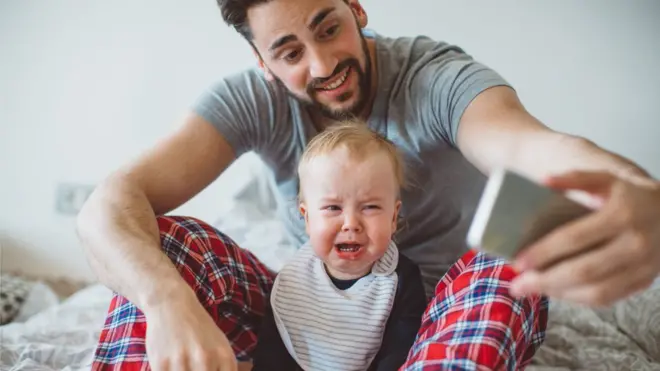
x=349, y=251
x=337, y=83
x=348, y=247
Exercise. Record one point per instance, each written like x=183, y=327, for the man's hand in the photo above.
x=183, y=337
x=601, y=258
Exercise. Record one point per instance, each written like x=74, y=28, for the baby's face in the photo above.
x=350, y=210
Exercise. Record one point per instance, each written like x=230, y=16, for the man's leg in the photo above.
x=473, y=323
x=214, y=266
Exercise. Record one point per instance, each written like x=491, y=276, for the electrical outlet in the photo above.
x=69, y=197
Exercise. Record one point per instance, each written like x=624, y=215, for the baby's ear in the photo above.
x=303, y=215
x=395, y=218
x=303, y=210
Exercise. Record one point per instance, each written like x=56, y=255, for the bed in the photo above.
x=55, y=332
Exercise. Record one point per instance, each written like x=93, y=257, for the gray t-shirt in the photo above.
x=423, y=88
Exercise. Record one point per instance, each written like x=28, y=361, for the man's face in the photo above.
x=315, y=49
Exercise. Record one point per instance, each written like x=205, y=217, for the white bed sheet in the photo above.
x=60, y=337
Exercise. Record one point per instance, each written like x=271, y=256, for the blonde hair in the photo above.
x=359, y=140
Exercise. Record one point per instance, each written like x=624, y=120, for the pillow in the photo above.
x=13, y=292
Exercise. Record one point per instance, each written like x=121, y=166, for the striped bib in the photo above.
x=325, y=328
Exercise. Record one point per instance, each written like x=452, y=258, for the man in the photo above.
x=197, y=298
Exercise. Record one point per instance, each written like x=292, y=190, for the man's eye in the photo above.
x=290, y=57
x=332, y=30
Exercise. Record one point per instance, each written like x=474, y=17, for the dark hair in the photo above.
x=234, y=13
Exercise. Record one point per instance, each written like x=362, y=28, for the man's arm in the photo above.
x=608, y=255
x=496, y=130
x=117, y=225
x=119, y=233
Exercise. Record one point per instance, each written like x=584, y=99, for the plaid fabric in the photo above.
x=472, y=323
x=230, y=282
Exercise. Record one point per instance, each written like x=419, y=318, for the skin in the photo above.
x=352, y=201
x=309, y=52
x=605, y=257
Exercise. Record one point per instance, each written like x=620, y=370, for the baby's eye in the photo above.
x=373, y=207
x=332, y=208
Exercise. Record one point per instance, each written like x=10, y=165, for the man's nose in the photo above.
x=322, y=64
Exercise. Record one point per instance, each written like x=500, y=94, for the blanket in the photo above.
x=625, y=336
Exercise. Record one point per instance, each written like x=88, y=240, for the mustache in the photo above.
x=352, y=62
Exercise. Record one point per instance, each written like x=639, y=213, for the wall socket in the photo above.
x=70, y=197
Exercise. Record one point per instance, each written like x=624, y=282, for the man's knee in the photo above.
x=477, y=289
x=185, y=235
x=474, y=320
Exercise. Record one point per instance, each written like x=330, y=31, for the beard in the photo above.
x=362, y=93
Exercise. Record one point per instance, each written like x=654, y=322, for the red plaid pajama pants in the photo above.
x=471, y=323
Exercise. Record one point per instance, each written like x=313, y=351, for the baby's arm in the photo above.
x=405, y=319
x=271, y=353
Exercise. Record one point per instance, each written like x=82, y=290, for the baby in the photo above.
x=347, y=300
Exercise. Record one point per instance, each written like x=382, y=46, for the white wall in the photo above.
x=85, y=86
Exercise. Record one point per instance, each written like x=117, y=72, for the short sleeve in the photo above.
x=449, y=79
x=244, y=108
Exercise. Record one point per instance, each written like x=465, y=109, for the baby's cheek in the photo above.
x=319, y=226
x=384, y=240
x=321, y=235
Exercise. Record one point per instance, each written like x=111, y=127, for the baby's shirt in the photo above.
x=315, y=322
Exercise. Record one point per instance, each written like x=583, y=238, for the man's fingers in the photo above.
x=203, y=361
x=216, y=360
x=227, y=362
x=595, y=266
x=571, y=239
x=599, y=277
x=608, y=291
x=160, y=366
x=593, y=182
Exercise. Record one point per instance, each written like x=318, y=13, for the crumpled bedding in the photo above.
x=61, y=337
x=64, y=335
x=623, y=337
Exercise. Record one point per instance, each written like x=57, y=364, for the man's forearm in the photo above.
x=496, y=130
x=557, y=153
x=120, y=237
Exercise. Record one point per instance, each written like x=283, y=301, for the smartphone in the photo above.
x=514, y=212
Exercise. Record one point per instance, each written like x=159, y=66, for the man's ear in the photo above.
x=359, y=13
x=262, y=65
